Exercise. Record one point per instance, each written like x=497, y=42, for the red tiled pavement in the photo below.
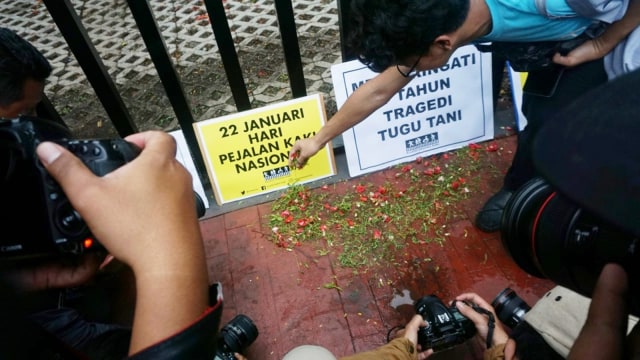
x=282, y=291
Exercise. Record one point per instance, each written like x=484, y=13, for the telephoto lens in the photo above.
x=509, y=307
x=235, y=337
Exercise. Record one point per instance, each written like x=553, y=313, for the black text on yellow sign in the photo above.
x=247, y=153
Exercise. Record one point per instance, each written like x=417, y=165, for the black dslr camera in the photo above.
x=235, y=337
x=36, y=218
x=446, y=326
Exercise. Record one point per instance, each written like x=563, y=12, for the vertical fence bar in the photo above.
x=170, y=79
x=222, y=33
x=287, y=24
x=76, y=36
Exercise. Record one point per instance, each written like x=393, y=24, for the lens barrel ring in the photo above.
x=518, y=223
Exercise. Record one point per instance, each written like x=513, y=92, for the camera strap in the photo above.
x=491, y=324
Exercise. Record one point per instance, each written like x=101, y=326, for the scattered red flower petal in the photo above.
x=492, y=147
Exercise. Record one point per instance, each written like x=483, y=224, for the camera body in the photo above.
x=235, y=337
x=446, y=326
x=31, y=197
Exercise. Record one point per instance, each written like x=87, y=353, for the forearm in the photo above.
x=618, y=30
x=171, y=292
x=363, y=102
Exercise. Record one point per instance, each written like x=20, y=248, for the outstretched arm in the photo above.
x=144, y=214
x=362, y=103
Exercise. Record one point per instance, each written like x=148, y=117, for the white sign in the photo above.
x=183, y=155
x=439, y=110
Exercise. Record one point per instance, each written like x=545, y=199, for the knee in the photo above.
x=309, y=352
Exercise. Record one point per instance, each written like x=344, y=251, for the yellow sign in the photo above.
x=247, y=153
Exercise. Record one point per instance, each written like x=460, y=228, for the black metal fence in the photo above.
x=76, y=36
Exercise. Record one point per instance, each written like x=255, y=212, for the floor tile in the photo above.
x=302, y=296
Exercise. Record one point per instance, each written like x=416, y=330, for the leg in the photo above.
x=537, y=109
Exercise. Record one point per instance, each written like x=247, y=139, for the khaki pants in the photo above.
x=559, y=316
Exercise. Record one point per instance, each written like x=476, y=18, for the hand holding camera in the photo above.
x=30, y=194
x=450, y=326
x=157, y=231
x=481, y=321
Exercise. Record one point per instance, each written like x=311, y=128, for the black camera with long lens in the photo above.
x=446, y=326
x=235, y=337
x=582, y=212
x=509, y=307
x=29, y=195
x=551, y=237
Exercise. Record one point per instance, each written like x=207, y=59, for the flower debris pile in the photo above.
x=367, y=223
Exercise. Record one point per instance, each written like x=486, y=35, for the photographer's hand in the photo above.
x=52, y=274
x=144, y=214
x=410, y=332
x=404, y=346
x=603, y=335
x=481, y=321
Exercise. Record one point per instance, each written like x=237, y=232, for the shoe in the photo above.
x=489, y=218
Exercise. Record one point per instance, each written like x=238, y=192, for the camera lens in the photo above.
x=509, y=307
x=551, y=237
x=518, y=223
x=237, y=334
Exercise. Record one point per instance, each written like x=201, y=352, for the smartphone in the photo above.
x=543, y=82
